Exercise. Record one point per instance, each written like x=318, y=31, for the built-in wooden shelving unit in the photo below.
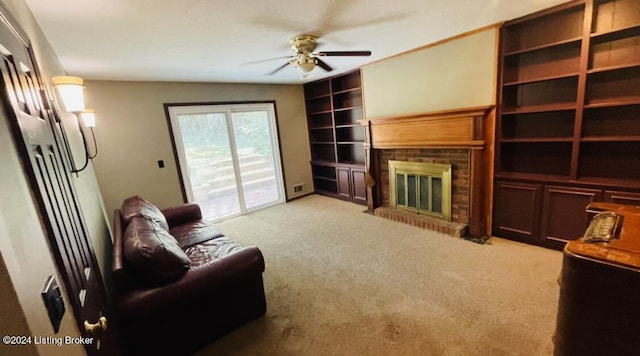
x=334, y=112
x=568, y=128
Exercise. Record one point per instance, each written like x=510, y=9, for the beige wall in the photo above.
x=133, y=134
x=453, y=74
x=23, y=244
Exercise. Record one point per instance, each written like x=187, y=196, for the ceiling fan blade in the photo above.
x=279, y=68
x=268, y=60
x=343, y=53
x=323, y=65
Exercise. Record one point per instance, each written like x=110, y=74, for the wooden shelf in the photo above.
x=321, y=128
x=550, y=158
x=544, y=29
x=538, y=125
x=568, y=129
x=348, y=108
x=538, y=139
x=533, y=177
x=334, y=109
x=539, y=109
x=347, y=82
x=614, y=103
x=347, y=126
x=324, y=178
x=615, y=51
x=322, y=96
x=609, y=159
x=556, y=93
x=609, y=102
x=610, y=183
x=317, y=90
x=614, y=68
x=594, y=182
x=312, y=113
x=542, y=79
x=616, y=34
x=611, y=139
x=350, y=90
x=545, y=46
x=616, y=15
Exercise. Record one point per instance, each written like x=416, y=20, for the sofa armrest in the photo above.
x=120, y=276
x=194, y=285
x=182, y=214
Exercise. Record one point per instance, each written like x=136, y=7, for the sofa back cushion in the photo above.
x=138, y=206
x=152, y=253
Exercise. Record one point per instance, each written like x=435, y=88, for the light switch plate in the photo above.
x=53, y=302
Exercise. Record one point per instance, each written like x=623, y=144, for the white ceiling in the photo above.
x=213, y=40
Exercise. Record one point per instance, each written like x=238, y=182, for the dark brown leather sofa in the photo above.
x=179, y=283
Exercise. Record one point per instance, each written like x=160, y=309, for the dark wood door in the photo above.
x=359, y=185
x=516, y=211
x=564, y=213
x=50, y=181
x=344, y=182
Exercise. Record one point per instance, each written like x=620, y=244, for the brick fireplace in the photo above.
x=459, y=160
x=456, y=138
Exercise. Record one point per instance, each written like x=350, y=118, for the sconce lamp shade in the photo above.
x=70, y=90
x=89, y=118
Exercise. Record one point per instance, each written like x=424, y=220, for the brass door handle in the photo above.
x=93, y=328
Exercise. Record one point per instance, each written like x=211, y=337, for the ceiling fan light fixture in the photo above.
x=305, y=64
x=306, y=60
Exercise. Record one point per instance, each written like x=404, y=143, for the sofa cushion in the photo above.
x=195, y=232
x=211, y=250
x=153, y=253
x=138, y=206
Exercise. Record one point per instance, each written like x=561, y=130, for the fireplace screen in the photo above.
x=421, y=187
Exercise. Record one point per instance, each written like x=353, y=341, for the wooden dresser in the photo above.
x=599, y=304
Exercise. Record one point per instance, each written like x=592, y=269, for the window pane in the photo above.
x=255, y=157
x=207, y=149
x=411, y=187
x=400, y=190
x=424, y=193
x=437, y=194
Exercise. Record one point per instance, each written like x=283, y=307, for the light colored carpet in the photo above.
x=339, y=281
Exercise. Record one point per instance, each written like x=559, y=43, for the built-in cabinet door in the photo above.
x=564, y=213
x=618, y=197
x=516, y=211
x=359, y=185
x=344, y=186
x=351, y=184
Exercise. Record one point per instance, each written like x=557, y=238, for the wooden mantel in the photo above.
x=467, y=128
x=462, y=128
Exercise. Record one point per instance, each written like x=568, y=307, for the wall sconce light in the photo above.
x=88, y=117
x=70, y=90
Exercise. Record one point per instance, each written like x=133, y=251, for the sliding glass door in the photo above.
x=229, y=157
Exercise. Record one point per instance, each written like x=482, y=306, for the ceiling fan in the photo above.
x=306, y=60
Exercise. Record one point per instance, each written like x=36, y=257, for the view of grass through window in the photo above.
x=230, y=160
